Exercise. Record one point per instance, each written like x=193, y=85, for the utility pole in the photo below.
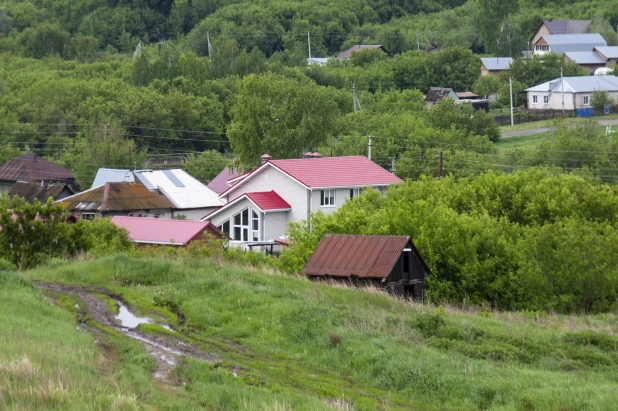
x=355, y=99
x=309, y=42
x=418, y=44
x=441, y=162
x=369, y=147
x=393, y=165
x=209, y=46
x=562, y=90
x=511, y=95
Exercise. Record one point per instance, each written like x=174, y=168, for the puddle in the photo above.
x=130, y=320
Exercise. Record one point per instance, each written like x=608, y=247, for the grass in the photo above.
x=553, y=122
x=527, y=142
x=295, y=344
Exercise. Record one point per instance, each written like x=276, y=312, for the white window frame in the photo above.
x=355, y=192
x=535, y=99
x=586, y=100
x=88, y=216
x=545, y=99
x=327, y=198
x=255, y=226
x=242, y=226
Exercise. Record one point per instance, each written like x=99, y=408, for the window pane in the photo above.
x=245, y=216
x=225, y=227
x=322, y=197
x=236, y=233
x=237, y=219
x=255, y=224
x=245, y=234
x=255, y=236
x=351, y=193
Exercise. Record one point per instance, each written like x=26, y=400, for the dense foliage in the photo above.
x=528, y=240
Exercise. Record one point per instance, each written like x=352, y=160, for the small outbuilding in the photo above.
x=392, y=262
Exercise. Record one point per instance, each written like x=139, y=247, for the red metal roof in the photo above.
x=365, y=256
x=268, y=200
x=220, y=183
x=164, y=231
x=30, y=167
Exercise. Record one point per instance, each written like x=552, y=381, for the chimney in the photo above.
x=265, y=158
x=311, y=154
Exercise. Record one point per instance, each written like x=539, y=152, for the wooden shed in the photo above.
x=392, y=262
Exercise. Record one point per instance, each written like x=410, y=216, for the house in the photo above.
x=559, y=27
x=189, y=196
x=317, y=61
x=223, y=180
x=438, y=93
x=495, y=65
x=262, y=203
x=577, y=92
x=163, y=231
x=32, y=191
x=562, y=43
x=110, y=199
x=589, y=60
x=392, y=262
x=608, y=54
x=30, y=168
x=348, y=53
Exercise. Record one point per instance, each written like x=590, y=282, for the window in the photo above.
x=382, y=190
x=225, y=227
x=535, y=99
x=327, y=198
x=240, y=226
x=545, y=99
x=355, y=192
x=255, y=224
x=88, y=216
x=586, y=100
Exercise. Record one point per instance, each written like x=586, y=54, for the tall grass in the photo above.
x=277, y=333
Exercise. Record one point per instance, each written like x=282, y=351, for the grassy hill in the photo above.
x=288, y=343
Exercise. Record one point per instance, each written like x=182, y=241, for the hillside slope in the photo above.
x=287, y=343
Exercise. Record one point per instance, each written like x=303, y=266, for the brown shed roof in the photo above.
x=365, y=256
x=117, y=197
x=30, y=167
x=36, y=191
x=348, y=53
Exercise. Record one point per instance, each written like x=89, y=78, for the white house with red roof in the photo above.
x=260, y=204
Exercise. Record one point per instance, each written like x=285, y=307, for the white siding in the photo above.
x=196, y=213
x=341, y=195
x=275, y=224
x=290, y=190
x=571, y=101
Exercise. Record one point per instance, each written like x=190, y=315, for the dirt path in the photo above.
x=165, y=349
x=517, y=133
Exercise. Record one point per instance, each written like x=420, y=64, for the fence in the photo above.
x=527, y=116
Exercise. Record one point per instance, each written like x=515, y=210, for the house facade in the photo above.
x=576, y=91
x=262, y=203
x=559, y=27
x=563, y=43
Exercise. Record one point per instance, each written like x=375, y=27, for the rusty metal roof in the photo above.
x=365, y=256
x=30, y=167
x=117, y=197
x=36, y=191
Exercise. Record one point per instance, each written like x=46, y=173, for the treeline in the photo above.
x=531, y=240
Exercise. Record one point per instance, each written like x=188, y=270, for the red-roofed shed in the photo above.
x=163, y=231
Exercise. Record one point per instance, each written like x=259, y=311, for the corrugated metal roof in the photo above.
x=117, y=197
x=497, y=63
x=580, y=84
x=220, y=183
x=268, y=200
x=348, y=53
x=566, y=26
x=585, y=57
x=30, y=167
x=184, y=191
x=561, y=43
x=610, y=52
x=365, y=256
x=36, y=191
x=164, y=231
x=110, y=175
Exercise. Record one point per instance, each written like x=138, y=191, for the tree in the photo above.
x=280, y=116
x=43, y=40
x=599, y=99
x=205, y=166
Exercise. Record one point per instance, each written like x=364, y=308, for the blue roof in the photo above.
x=561, y=43
x=585, y=57
x=496, y=63
x=580, y=84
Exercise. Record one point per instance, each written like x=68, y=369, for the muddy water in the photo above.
x=130, y=320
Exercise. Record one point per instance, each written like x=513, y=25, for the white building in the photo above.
x=577, y=92
x=262, y=203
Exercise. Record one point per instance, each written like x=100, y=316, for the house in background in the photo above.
x=392, y=262
x=32, y=168
x=436, y=94
x=577, y=93
x=559, y=27
x=563, y=43
x=189, y=196
x=262, y=203
x=608, y=54
x=223, y=180
x=166, y=232
x=589, y=60
x=348, y=53
x=494, y=65
x=41, y=191
x=111, y=199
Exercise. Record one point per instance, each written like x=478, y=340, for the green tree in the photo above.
x=205, y=166
x=43, y=40
x=600, y=98
x=280, y=116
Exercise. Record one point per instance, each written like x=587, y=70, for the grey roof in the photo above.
x=561, y=43
x=566, y=26
x=496, y=63
x=610, y=52
x=438, y=93
x=110, y=175
x=581, y=84
x=585, y=57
